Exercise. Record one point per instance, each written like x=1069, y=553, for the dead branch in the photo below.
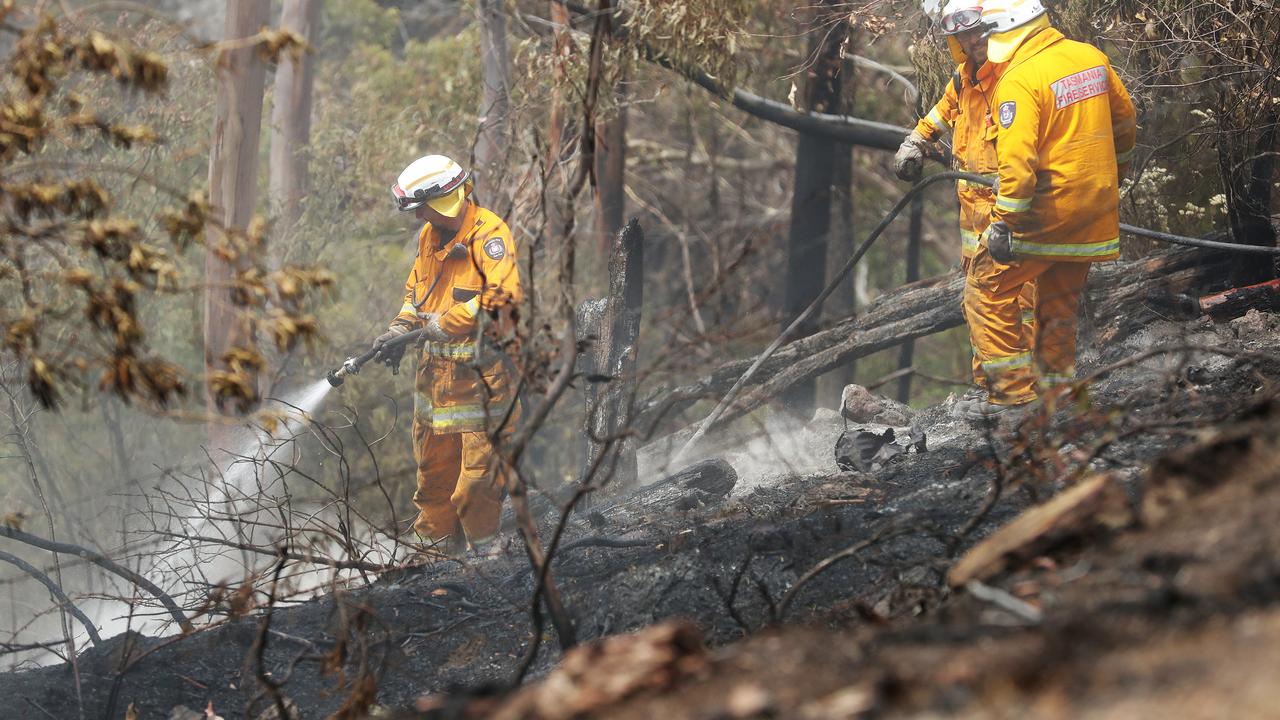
x=54, y=590
x=105, y=563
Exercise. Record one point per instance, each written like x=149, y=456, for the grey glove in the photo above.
x=391, y=356
x=999, y=241
x=908, y=162
x=431, y=329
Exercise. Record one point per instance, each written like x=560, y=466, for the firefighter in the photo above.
x=964, y=110
x=464, y=277
x=1065, y=131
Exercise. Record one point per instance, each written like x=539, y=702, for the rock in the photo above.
x=1253, y=324
x=860, y=405
x=1096, y=502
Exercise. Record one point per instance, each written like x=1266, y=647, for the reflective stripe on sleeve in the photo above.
x=1094, y=249
x=1009, y=204
x=936, y=119
x=1012, y=362
x=968, y=240
x=408, y=309
x=472, y=306
x=1052, y=379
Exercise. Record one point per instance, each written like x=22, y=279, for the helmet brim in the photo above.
x=450, y=205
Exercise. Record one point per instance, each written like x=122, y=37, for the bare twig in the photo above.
x=56, y=591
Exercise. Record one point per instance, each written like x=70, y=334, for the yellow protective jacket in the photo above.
x=965, y=109
x=459, y=390
x=1067, y=130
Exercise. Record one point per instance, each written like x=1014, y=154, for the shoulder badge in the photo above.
x=1008, y=110
x=495, y=248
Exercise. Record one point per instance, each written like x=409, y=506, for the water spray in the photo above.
x=352, y=365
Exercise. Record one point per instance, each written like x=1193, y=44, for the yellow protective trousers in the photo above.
x=1027, y=309
x=1018, y=363
x=461, y=480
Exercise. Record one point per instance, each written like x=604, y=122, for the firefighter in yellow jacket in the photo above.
x=1066, y=129
x=964, y=110
x=465, y=275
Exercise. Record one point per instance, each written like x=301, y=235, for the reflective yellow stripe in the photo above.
x=936, y=119
x=451, y=351
x=1014, y=362
x=1124, y=157
x=1009, y=204
x=1057, y=378
x=1028, y=317
x=458, y=415
x=408, y=309
x=472, y=306
x=968, y=240
x=1094, y=249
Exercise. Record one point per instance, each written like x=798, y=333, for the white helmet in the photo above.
x=434, y=180
x=1006, y=15
x=1011, y=23
x=956, y=17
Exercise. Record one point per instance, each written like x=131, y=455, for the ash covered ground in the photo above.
x=1148, y=619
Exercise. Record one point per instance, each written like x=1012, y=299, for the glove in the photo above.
x=391, y=356
x=431, y=329
x=999, y=241
x=908, y=162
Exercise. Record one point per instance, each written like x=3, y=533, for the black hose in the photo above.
x=1156, y=234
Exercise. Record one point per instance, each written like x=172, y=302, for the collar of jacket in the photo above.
x=985, y=73
x=1034, y=45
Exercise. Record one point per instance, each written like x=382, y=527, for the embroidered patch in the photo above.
x=495, y=248
x=1008, y=110
x=1080, y=86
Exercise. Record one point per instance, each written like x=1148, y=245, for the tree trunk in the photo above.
x=233, y=186
x=611, y=163
x=494, y=138
x=811, y=199
x=1246, y=160
x=291, y=118
x=560, y=134
x=610, y=402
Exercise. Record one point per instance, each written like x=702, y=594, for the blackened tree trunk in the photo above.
x=811, y=199
x=233, y=188
x=494, y=139
x=611, y=163
x=1247, y=161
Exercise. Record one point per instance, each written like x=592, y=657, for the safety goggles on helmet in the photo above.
x=412, y=201
x=962, y=20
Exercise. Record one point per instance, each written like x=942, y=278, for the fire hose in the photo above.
x=352, y=365
x=718, y=412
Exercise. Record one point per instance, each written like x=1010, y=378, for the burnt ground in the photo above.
x=1174, y=617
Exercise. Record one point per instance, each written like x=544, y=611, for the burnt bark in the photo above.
x=1247, y=164
x=611, y=163
x=610, y=401
x=811, y=199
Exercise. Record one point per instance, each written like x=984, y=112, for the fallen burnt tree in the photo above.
x=1120, y=297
